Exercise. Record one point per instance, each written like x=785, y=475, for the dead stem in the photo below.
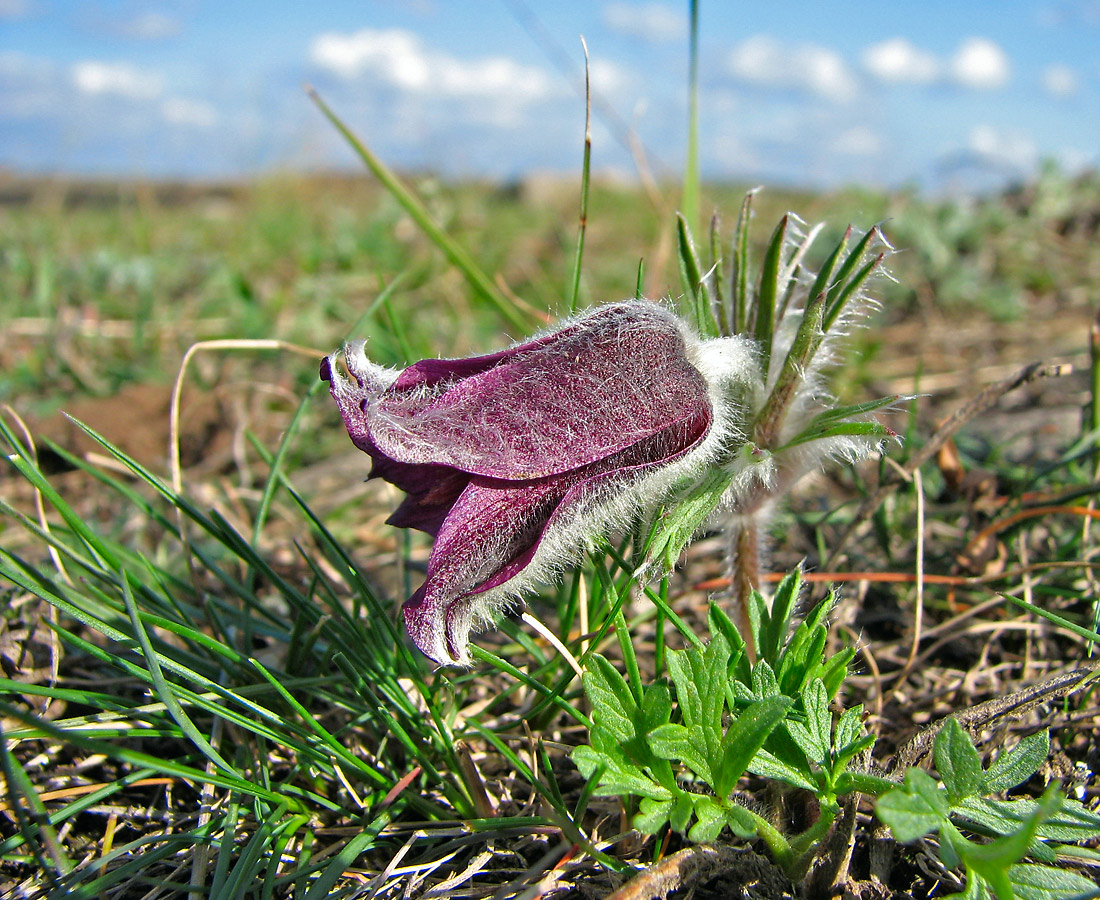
x=1015, y=703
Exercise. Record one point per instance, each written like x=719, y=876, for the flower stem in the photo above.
x=778, y=846
x=744, y=566
x=805, y=847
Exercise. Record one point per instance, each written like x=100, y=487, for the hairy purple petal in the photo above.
x=616, y=377
x=496, y=527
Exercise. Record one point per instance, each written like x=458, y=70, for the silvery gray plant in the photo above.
x=627, y=415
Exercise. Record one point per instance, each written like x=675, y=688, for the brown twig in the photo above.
x=1017, y=702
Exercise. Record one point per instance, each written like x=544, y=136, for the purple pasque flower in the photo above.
x=517, y=462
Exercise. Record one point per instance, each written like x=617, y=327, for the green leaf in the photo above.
x=741, y=822
x=958, y=762
x=847, y=753
x=835, y=303
x=802, y=658
x=739, y=292
x=683, y=668
x=1017, y=765
x=851, y=289
x=767, y=765
x=825, y=273
x=1032, y=882
x=837, y=422
x=678, y=742
x=908, y=816
x=695, y=285
x=764, y=683
x=744, y=738
x=993, y=858
x=713, y=692
x=615, y=777
x=758, y=616
x=652, y=815
x=682, y=811
x=798, y=362
x=681, y=519
x=767, y=294
x=775, y=628
x=836, y=670
x=721, y=306
x=719, y=622
x=819, y=721
x=920, y=783
x=712, y=819
x=1069, y=821
x=656, y=707
x=848, y=727
x=915, y=809
x=613, y=703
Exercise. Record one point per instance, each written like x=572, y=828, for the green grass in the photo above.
x=209, y=692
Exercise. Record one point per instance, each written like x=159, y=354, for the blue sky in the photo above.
x=817, y=93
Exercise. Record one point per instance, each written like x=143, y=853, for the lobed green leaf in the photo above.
x=711, y=820
x=652, y=815
x=958, y=762
x=1015, y=766
x=744, y=738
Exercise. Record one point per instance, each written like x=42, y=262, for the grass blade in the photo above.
x=456, y=254
x=575, y=285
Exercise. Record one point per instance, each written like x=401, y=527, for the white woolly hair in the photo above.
x=376, y=378
x=759, y=480
x=730, y=366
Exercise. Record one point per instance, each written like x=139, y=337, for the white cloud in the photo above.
x=651, y=22
x=896, y=60
x=857, y=141
x=980, y=63
x=1060, y=80
x=399, y=58
x=118, y=78
x=394, y=54
x=495, y=76
x=188, y=113
x=1003, y=148
x=818, y=70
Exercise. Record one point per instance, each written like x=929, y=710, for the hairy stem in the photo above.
x=744, y=574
